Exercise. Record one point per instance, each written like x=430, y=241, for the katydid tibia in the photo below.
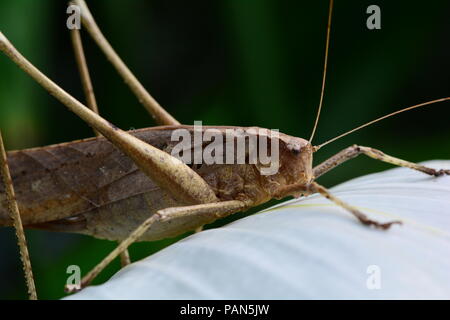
x=127, y=186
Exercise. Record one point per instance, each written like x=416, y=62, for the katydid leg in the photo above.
x=298, y=190
x=215, y=209
x=15, y=215
x=355, y=150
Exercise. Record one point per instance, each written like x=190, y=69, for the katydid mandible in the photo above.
x=126, y=186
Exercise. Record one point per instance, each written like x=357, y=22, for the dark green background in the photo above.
x=235, y=62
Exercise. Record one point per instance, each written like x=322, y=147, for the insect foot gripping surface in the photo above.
x=315, y=187
x=442, y=172
x=298, y=190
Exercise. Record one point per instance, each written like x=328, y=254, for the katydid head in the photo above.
x=291, y=159
x=295, y=160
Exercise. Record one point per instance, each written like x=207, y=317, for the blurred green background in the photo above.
x=231, y=62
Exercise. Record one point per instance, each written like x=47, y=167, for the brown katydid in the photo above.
x=176, y=198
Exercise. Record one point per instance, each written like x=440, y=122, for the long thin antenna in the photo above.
x=381, y=118
x=330, y=12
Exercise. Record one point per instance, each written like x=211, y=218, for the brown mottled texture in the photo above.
x=91, y=187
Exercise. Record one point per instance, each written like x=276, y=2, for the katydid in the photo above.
x=127, y=186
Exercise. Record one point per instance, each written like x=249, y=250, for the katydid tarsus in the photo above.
x=158, y=195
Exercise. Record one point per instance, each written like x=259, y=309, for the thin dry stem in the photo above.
x=15, y=215
x=160, y=115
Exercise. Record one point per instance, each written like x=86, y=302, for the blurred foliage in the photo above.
x=225, y=63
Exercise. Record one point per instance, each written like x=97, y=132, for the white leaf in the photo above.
x=311, y=249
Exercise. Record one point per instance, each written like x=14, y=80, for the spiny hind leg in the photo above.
x=355, y=150
x=216, y=210
x=15, y=216
x=297, y=190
